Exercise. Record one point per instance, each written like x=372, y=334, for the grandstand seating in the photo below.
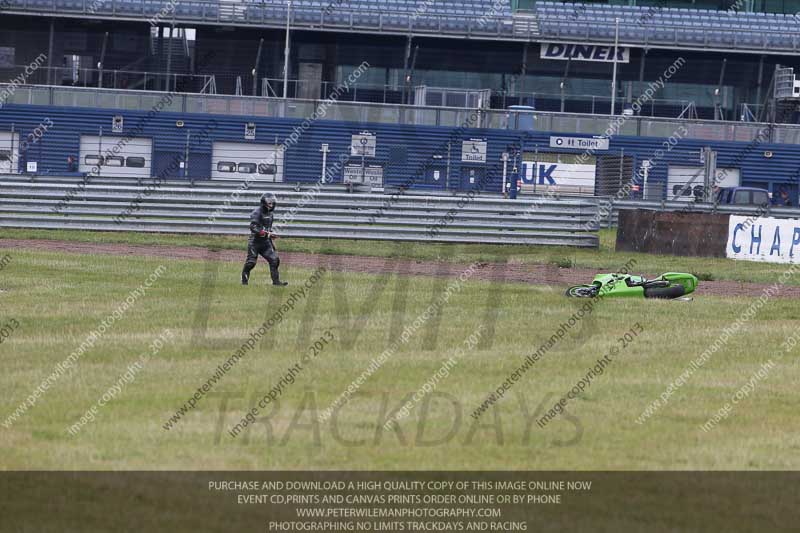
x=446, y=15
x=491, y=17
x=654, y=25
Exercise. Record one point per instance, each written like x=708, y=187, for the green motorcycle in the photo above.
x=670, y=286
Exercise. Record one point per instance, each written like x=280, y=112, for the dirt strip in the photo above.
x=511, y=272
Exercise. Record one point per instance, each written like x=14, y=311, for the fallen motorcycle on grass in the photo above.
x=672, y=285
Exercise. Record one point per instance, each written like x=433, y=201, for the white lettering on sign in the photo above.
x=584, y=52
x=771, y=240
x=579, y=143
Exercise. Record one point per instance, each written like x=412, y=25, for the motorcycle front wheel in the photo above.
x=582, y=291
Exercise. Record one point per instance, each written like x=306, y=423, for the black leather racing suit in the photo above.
x=261, y=220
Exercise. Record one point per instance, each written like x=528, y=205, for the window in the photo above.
x=760, y=197
x=5, y=156
x=682, y=190
x=114, y=161
x=226, y=166
x=267, y=169
x=247, y=168
x=96, y=160
x=135, y=162
x=741, y=197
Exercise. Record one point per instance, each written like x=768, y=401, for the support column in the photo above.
x=50, y=53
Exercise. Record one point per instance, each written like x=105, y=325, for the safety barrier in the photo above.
x=222, y=209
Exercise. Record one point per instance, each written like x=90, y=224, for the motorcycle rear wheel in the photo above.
x=674, y=291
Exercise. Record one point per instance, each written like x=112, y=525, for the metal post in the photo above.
x=760, y=79
x=186, y=155
x=524, y=72
x=169, y=58
x=102, y=60
x=505, y=173
x=718, y=115
x=324, y=149
x=614, y=75
x=642, y=62
x=14, y=169
x=405, y=70
x=255, y=68
x=286, y=51
x=563, y=84
x=50, y=53
x=447, y=173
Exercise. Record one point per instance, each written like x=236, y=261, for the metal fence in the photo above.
x=223, y=209
x=608, y=210
x=259, y=106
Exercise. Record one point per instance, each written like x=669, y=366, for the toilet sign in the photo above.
x=473, y=151
x=579, y=143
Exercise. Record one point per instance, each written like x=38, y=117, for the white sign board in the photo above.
x=579, y=143
x=559, y=177
x=771, y=240
x=681, y=181
x=371, y=175
x=473, y=151
x=363, y=143
x=584, y=52
x=32, y=166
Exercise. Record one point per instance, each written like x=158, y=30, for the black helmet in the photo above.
x=268, y=198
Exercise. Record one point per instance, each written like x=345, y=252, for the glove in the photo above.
x=262, y=233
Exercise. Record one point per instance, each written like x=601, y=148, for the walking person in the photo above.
x=261, y=241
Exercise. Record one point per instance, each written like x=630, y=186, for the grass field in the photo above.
x=58, y=299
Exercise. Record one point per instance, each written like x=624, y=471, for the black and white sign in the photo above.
x=250, y=131
x=369, y=175
x=579, y=143
x=363, y=144
x=473, y=151
x=584, y=52
x=117, y=124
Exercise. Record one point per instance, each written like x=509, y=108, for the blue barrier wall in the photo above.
x=409, y=154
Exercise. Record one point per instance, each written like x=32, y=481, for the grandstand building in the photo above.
x=428, y=94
